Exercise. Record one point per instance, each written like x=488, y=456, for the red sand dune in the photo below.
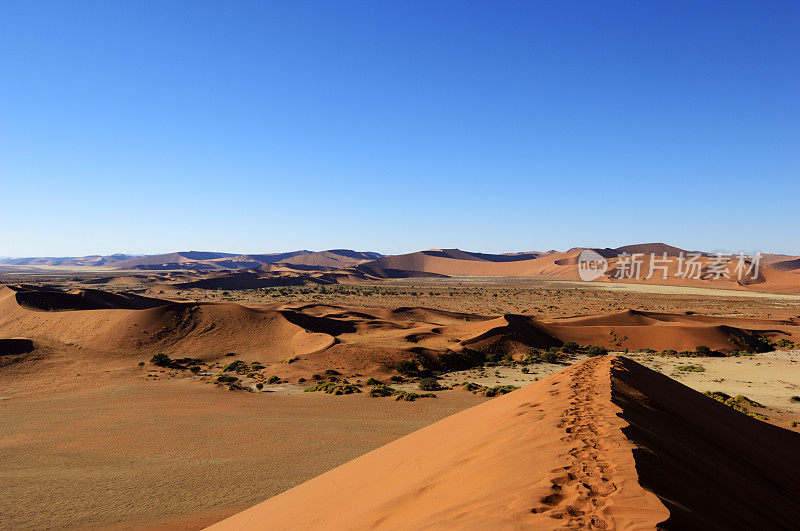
x=602, y=444
x=367, y=341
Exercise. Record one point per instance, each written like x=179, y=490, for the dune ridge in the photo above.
x=606, y=443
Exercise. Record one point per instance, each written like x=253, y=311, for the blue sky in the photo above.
x=150, y=126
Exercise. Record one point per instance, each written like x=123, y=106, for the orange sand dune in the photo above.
x=356, y=340
x=602, y=444
x=453, y=262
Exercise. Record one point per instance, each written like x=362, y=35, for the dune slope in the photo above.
x=605, y=443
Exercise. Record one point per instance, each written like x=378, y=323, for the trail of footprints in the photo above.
x=580, y=489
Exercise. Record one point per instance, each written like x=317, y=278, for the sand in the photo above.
x=170, y=453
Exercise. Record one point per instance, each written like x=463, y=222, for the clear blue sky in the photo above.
x=154, y=126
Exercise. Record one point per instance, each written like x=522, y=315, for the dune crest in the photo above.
x=587, y=447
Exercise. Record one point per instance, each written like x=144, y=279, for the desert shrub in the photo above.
x=141, y=364
x=237, y=366
x=595, y=350
x=499, y=390
x=703, y=350
x=396, y=379
x=549, y=357
x=256, y=366
x=316, y=377
x=226, y=378
x=525, y=370
x=332, y=372
x=554, y=350
x=301, y=380
x=373, y=381
x=273, y=379
x=259, y=386
x=738, y=402
x=669, y=352
x=691, y=368
x=410, y=397
x=382, y=390
x=785, y=343
x=406, y=367
x=333, y=388
x=743, y=401
x=490, y=392
x=230, y=354
x=794, y=398
x=429, y=384
x=793, y=424
x=195, y=368
x=162, y=360
x=570, y=347
x=718, y=395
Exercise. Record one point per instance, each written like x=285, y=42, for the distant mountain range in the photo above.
x=203, y=261
x=215, y=270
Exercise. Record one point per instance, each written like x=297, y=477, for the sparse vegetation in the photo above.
x=161, y=360
x=596, y=351
x=333, y=388
x=273, y=379
x=691, y=368
x=226, y=378
x=739, y=402
x=785, y=343
x=429, y=384
x=498, y=390
x=237, y=366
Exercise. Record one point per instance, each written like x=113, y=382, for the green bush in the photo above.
x=195, y=368
x=273, y=379
x=570, y=347
x=429, y=384
x=237, y=366
x=595, y=350
x=499, y=390
x=225, y=378
x=669, y=352
x=333, y=389
x=703, y=350
x=785, y=343
x=373, y=381
x=259, y=386
x=691, y=368
x=382, y=390
x=396, y=379
x=738, y=402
